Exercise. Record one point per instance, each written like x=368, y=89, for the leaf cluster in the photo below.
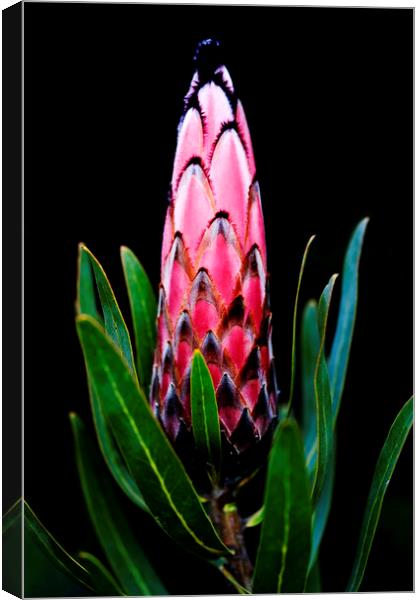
x=134, y=453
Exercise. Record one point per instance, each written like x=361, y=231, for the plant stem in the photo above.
x=229, y=524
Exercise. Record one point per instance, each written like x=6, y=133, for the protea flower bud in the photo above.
x=213, y=292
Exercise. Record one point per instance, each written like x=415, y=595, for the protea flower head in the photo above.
x=213, y=292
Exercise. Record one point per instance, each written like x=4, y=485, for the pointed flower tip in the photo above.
x=208, y=57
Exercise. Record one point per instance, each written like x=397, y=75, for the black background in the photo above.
x=328, y=97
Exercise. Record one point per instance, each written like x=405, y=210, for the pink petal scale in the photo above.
x=214, y=270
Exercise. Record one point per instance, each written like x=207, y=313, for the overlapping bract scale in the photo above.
x=213, y=292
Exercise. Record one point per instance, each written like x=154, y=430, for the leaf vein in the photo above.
x=153, y=465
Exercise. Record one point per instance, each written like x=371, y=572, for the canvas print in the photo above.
x=217, y=244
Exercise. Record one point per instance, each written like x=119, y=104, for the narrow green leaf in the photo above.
x=143, y=311
x=12, y=515
x=283, y=552
x=293, y=356
x=340, y=350
x=86, y=297
x=310, y=343
x=12, y=549
x=256, y=519
x=383, y=472
x=325, y=425
x=322, y=509
x=112, y=454
x=104, y=582
x=313, y=583
x=86, y=303
x=58, y=572
x=115, y=325
x=234, y=583
x=204, y=412
x=124, y=553
x=157, y=470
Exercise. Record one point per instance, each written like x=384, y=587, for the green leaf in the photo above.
x=310, y=343
x=340, y=350
x=293, y=356
x=86, y=297
x=325, y=425
x=256, y=519
x=143, y=311
x=322, y=509
x=313, y=583
x=383, y=472
x=124, y=553
x=157, y=470
x=105, y=584
x=12, y=516
x=86, y=304
x=49, y=569
x=57, y=553
x=115, y=325
x=231, y=579
x=12, y=549
x=204, y=413
x=283, y=552
x=112, y=454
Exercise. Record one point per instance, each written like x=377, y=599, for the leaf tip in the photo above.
x=75, y=421
x=312, y=303
x=361, y=226
x=83, y=248
x=83, y=317
x=197, y=356
x=83, y=320
x=80, y=317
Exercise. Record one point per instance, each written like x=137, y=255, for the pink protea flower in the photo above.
x=213, y=292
